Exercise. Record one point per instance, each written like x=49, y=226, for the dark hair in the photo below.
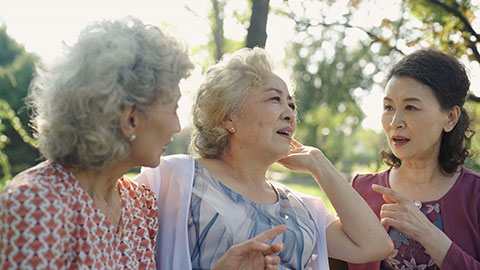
x=449, y=81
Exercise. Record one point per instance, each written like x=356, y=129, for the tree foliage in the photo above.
x=16, y=68
x=448, y=26
x=332, y=72
x=445, y=25
x=218, y=44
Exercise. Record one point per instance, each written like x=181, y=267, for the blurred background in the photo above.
x=334, y=54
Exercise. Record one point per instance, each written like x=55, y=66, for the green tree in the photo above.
x=253, y=19
x=442, y=24
x=16, y=68
x=331, y=72
x=446, y=25
x=257, y=30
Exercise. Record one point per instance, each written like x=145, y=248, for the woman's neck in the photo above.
x=242, y=169
x=243, y=175
x=420, y=172
x=421, y=181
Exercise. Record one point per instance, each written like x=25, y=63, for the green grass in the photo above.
x=131, y=175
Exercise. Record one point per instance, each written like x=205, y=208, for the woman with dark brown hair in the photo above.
x=428, y=202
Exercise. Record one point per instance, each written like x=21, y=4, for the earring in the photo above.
x=232, y=129
x=132, y=137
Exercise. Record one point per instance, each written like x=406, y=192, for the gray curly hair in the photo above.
x=222, y=93
x=77, y=104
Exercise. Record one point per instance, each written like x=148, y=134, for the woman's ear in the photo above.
x=452, y=118
x=129, y=121
x=229, y=125
x=229, y=122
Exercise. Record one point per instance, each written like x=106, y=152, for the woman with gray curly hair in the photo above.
x=107, y=106
x=244, y=119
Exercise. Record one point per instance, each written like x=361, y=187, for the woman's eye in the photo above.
x=410, y=108
x=276, y=98
x=292, y=105
x=387, y=107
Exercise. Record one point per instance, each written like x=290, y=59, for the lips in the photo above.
x=400, y=140
x=286, y=132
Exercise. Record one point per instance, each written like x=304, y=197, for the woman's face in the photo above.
x=412, y=119
x=156, y=128
x=267, y=121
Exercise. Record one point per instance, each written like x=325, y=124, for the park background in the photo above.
x=334, y=54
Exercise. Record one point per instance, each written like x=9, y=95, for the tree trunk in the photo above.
x=217, y=29
x=257, y=31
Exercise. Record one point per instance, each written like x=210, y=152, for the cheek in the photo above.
x=432, y=133
x=385, y=121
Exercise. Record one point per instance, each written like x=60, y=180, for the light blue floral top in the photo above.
x=219, y=218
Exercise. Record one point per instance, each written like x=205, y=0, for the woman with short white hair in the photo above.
x=244, y=118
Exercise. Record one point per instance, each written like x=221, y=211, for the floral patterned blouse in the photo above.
x=47, y=221
x=408, y=254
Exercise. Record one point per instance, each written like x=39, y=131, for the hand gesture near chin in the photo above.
x=309, y=159
x=300, y=158
x=253, y=254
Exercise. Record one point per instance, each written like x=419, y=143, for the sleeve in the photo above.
x=322, y=212
x=150, y=177
x=330, y=218
x=141, y=178
x=456, y=258
x=323, y=219
x=31, y=231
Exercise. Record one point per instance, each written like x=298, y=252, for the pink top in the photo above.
x=48, y=221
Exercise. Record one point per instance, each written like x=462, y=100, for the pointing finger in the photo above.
x=269, y=234
x=388, y=199
x=388, y=194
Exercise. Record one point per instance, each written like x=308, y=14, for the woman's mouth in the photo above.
x=400, y=140
x=285, y=133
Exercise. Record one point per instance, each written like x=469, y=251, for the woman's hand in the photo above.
x=253, y=254
x=358, y=236
x=301, y=158
x=401, y=213
x=309, y=159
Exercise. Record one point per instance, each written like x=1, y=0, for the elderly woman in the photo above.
x=107, y=106
x=427, y=200
x=244, y=121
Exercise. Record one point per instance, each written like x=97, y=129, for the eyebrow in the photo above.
x=405, y=99
x=280, y=92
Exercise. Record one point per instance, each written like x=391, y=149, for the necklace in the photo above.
x=118, y=224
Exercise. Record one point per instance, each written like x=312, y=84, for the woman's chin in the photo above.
x=281, y=154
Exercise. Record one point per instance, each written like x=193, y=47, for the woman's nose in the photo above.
x=397, y=121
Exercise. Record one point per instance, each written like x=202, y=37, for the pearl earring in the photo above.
x=132, y=137
x=232, y=129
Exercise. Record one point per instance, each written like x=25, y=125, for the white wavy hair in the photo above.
x=77, y=103
x=222, y=93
